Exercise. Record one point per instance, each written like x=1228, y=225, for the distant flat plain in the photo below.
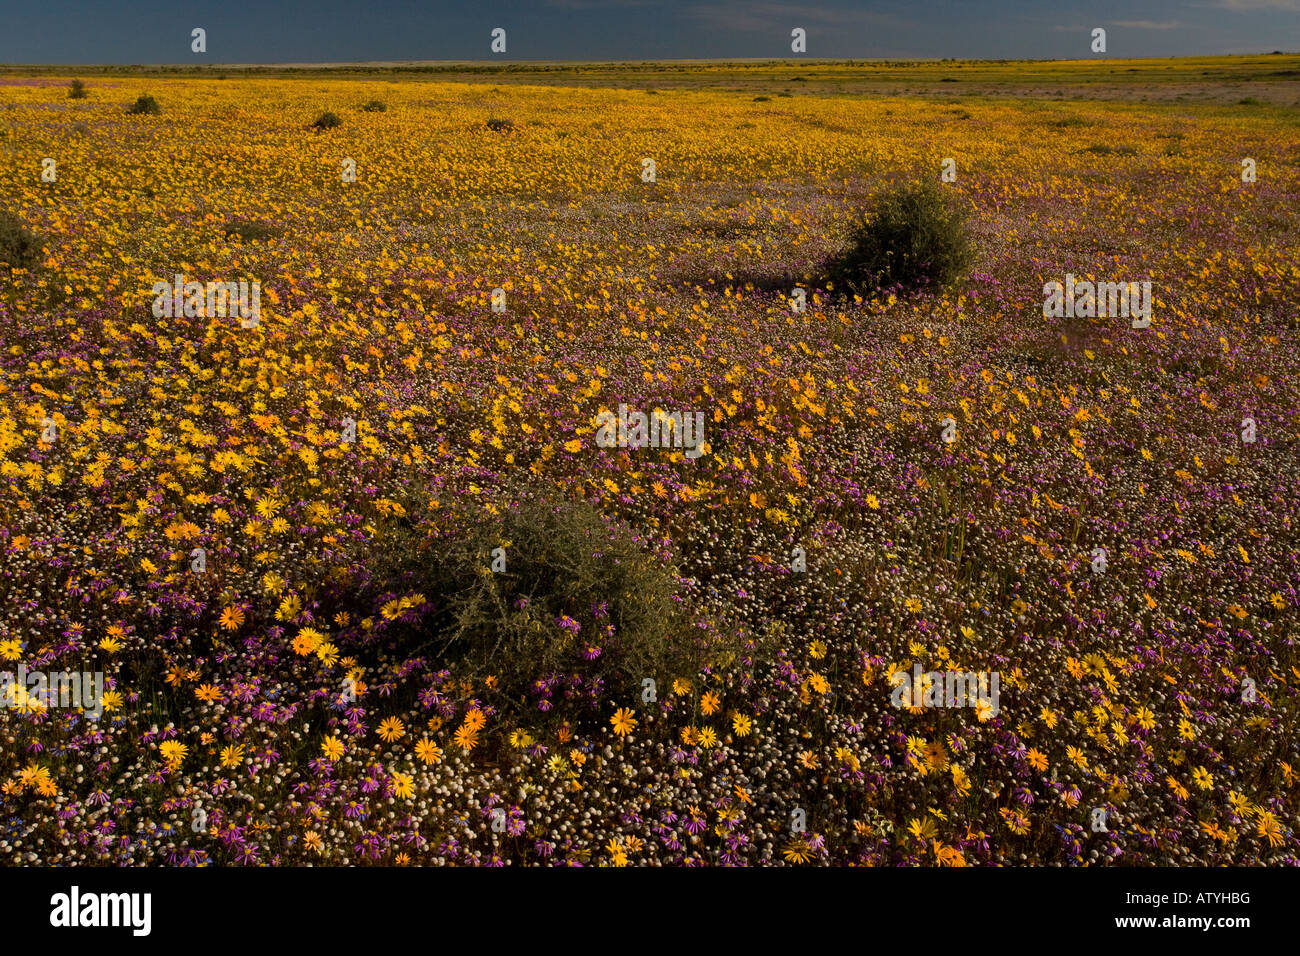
x=1267, y=78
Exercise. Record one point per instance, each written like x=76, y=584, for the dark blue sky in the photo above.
x=284, y=31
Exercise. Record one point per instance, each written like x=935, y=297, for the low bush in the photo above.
x=20, y=248
x=145, y=105
x=249, y=231
x=914, y=236
x=555, y=602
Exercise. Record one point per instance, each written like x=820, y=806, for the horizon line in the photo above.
x=340, y=64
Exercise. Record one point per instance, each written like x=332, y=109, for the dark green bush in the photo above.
x=500, y=125
x=249, y=231
x=582, y=602
x=326, y=120
x=914, y=236
x=77, y=90
x=145, y=105
x=1101, y=149
x=20, y=248
x=374, y=106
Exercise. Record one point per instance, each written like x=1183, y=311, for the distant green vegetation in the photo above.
x=145, y=105
x=20, y=248
x=1274, y=72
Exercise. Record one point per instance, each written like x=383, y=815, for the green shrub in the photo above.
x=145, y=105
x=326, y=120
x=581, y=600
x=77, y=90
x=500, y=125
x=374, y=106
x=1101, y=149
x=914, y=236
x=249, y=231
x=20, y=248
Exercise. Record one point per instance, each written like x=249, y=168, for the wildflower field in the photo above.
x=434, y=621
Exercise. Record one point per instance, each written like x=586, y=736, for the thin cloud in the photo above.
x=1125, y=24
x=1149, y=24
x=778, y=17
x=1292, y=5
x=598, y=4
